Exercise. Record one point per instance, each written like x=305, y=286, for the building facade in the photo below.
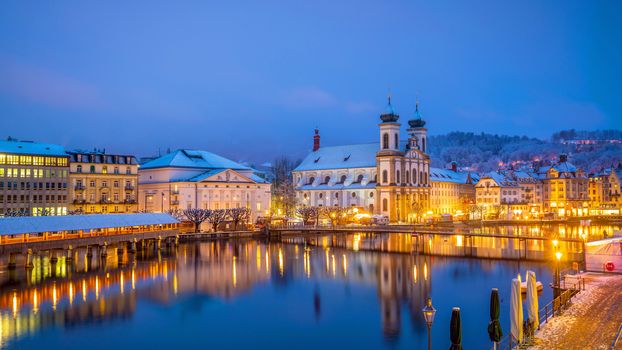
x=565, y=189
x=390, y=178
x=452, y=191
x=187, y=179
x=33, y=178
x=102, y=183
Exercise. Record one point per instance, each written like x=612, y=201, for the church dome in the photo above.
x=418, y=122
x=389, y=115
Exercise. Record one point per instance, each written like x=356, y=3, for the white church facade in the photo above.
x=390, y=178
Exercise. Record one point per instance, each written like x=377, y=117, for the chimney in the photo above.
x=563, y=158
x=316, y=140
x=454, y=167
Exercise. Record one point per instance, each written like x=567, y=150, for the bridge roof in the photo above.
x=37, y=224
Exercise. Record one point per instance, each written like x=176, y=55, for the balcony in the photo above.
x=129, y=187
x=129, y=201
x=79, y=201
x=105, y=201
x=79, y=187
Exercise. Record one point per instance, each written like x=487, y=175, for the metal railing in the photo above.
x=550, y=310
x=617, y=339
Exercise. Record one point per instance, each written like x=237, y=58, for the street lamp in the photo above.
x=428, y=313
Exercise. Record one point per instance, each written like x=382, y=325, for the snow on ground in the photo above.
x=592, y=319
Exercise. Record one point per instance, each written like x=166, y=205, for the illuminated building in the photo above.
x=604, y=192
x=187, y=179
x=33, y=178
x=565, y=188
x=390, y=178
x=102, y=183
x=452, y=190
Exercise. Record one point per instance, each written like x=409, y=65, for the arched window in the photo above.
x=359, y=179
x=385, y=204
x=421, y=177
x=311, y=180
x=425, y=178
x=353, y=194
x=397, y=176
x=385, y=141
x=407, y=176
x=343, y=179
x=371, y=194
x=327, y=180
x=397, y=145
x=104, y=170
x=321, y=195
x=79, y=168
x=414, y=176
x=384, y=177
x=423, y=144
x=336, y=194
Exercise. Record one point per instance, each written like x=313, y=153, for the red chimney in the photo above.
x=454, y=166
x=316, y=140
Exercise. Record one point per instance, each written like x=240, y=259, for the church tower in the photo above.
x=388, y=163
x=418, y=132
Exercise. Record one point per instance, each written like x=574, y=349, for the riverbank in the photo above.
x=591, y=322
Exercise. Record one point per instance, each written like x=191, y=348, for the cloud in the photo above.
x=46, y=87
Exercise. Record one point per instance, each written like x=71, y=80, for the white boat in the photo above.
x=523, y=287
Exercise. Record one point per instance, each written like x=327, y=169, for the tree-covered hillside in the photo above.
x=485, y=152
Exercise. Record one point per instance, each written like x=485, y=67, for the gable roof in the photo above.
x=206, y=175
x=448, y=175
x=37, y=224
x=346, y=156
x=184, y=158
x=31, y=148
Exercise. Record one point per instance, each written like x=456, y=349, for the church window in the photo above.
x=343, y=179
x=385, y=141
x=371, y=194
x=423, y=144
x=397, y=177
x=359, y=179
x=311, y=180
x=353, y=194
x=384, y=176
x=407, y=176
x=397, y=145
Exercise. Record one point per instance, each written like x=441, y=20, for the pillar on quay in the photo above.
x=29, y=264
x=69, y=254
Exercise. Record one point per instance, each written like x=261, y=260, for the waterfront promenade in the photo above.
x=591, y=322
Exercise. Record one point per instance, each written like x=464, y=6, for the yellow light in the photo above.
x=133, y=280
x=415, y=273
x=35, y=302
x=555, y=243
x=235, y=274
x=459, y=242
x=425, y=271
x=70, y=293
x=83, y=290
x=121, y=283
x=281, y=269
x=345, y=265
x=14, y=304
x=54, y=297
x=558, y=255
x=334, y=269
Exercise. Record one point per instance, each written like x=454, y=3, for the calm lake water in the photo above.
x=240, y=294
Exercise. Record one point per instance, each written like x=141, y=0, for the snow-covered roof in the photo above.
x=448, y=175
x=31, y=148
x=346, y=156
x=185, y=158
x=340, y=157
x=565, y=167
x=37, y=224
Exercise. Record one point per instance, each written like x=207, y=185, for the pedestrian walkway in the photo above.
x=591, y=322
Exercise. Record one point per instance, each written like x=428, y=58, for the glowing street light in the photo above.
x=428, y=313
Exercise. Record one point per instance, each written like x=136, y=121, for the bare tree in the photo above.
x=238, y=215
x=417, y=208
x=197, y=216
x=336, y=215
x=306, y=214
x=216, y=217
x=283, y=193
x=177, y=214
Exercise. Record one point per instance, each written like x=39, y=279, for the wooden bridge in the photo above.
x=60, y=235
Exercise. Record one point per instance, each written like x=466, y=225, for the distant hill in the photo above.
x=590, y=150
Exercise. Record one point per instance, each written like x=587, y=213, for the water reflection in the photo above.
x=341, y=284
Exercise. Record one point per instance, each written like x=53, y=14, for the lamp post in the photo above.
x=428, y=313
x=558, y=256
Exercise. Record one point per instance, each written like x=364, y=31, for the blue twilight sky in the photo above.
x=251, y=79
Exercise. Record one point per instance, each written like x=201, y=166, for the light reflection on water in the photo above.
x=246, y=293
